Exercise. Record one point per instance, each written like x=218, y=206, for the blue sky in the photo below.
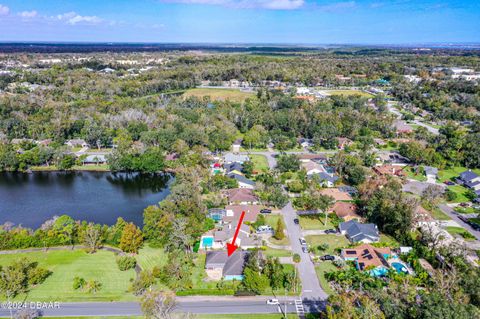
x=242, y=21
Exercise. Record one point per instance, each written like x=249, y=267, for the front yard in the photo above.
x=321, y=269
x=460, y=232
x=334, y=242
x=260, y=163
x=315, y=222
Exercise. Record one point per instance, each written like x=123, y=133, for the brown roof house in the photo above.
x=233, y=213
x=343, y=142
x=242, y=196
x=337, y=194
x=389, y=170
x=367, y=257
x=347, y=211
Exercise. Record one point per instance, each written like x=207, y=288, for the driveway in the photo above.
x=312, y=292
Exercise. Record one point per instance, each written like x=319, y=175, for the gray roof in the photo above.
x=241, y=178
x=429, y=170
x=95, y=158
x=233, y=166
x=230, y=158
x=327, y=177
x=232, y=266
x=468, y=176
x=357, y=231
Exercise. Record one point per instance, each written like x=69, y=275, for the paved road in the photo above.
x=392, y=109
x=217, y=305
x=450, y=212
x=429, y=128
x=311, y=289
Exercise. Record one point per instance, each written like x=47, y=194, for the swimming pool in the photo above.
x=207, y=242
x=400, y=268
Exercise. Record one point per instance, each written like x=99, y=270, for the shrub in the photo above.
x=450, y=195
x=78, y=283
x=296, y=258
x=126, y=262
x=38, y=275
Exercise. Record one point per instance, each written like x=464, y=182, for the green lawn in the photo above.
x=452, y=173
x=461, y=193
x=272, y=220
x=219, y=94
x=438, y=214
x=100, y=168
x=315, y=222
x=466, y=210
x=276, y=252
x=414, y=175
x=149, y=257
x=260, y=163
x=333, y=242
x=65, y=265
x=348, y=93
x=460, y=232
x=389, y=241
x=321, y=269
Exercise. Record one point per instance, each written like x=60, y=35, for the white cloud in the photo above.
x=248, y=4
x=28, y=14
x=73, y=18
x=338, y=6
x=4, y=10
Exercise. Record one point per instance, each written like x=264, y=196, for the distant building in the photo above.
x=346, y=211
x=76, y=143
x=243, y=182
x=232, y=158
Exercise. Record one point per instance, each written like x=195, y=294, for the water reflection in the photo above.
x=30, y=199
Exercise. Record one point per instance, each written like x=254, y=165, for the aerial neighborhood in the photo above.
x=347, y=182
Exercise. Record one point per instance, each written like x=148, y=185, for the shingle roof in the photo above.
x=232, y=266
x=429, y=170
x=241, y=195
x=241, y=179
x=357, y=231
x=468, y=175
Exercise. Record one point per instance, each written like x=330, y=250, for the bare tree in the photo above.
x=91, y=238
x=158, y=304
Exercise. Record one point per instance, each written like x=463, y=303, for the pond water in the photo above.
x=31, y=198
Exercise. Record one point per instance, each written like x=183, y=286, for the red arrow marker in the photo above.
x=231, y=247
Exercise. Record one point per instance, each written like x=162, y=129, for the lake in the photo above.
x=31, y=198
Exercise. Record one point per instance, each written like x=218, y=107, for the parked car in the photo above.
x=296, y=221
x=331, y=231
x=265, y=211
x=449, y=183
x=273, y=302
x=464, y=204
x=327, y=257
x=264, y=229
x=303, y=242
x=305, y=249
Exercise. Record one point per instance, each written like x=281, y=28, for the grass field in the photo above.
x=321, y=269
x=414, y=175
x=452, y=173
x=461, y=193
x=460, y=232
x=438, y=214
x=315, y=222
x=272, y=220
x=348, y=93
x=94, y=168
x=65, y=265
x=333, y=242
x=276, y=252
x=390, y=241
x=149, y=257
x=219, y=94
x=260, y=163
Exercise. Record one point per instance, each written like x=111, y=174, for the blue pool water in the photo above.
x=207, y=241
x=400, y=268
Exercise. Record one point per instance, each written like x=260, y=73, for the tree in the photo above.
x=93, y=286
x=91, y=237
x=158, y=305
x=132, y=239
x=279, y=230
x=157, y=223
x=254, y=281
x=288, y=163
